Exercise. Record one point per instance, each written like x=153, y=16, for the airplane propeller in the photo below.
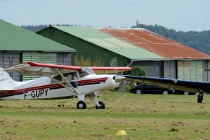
x=121, y=88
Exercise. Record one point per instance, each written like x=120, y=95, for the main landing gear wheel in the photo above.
x=81, y=105
x=101, y=105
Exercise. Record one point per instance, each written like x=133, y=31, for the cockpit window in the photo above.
x=73, y=75
x=86, y=71
x=69, y=76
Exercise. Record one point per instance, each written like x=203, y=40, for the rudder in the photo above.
x=6, y=82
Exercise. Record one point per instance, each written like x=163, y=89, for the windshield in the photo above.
x=86, y=71
x=73, y=75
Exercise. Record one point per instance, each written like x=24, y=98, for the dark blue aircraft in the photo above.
x=184, y=85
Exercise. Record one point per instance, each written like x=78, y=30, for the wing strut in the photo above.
x=66, y=81
x=60, y=83
x=68, y=85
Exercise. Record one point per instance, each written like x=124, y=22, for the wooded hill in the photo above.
x=194, y=39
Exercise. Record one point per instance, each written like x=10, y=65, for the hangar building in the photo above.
x=19, y=45
x=159, y=56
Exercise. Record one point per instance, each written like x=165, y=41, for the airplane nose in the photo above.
x=118, y=78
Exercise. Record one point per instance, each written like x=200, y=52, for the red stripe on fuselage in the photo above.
x=50, y=86
x=21, y=91
x=91, y=81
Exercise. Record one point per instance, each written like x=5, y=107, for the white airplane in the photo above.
x=59, y=82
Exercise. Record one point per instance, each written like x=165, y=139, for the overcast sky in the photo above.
x=181, y=15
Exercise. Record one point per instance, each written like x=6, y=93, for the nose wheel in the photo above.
x=101, y=105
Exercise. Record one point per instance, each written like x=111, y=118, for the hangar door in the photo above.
x=206, y=73
x=64, y=59
x=190, y=70
x=170, y=69
x=8, y=59
x=152, y=68
x=50, y=58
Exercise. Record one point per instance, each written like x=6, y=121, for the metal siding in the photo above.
x=152, y=68
x=48, y=58
x=8, y=59
x=180, y=69
x=63, y=59
x=16, y=59
x=38, y=57
x=187, y=70
x=190, y=70
x=206, y=74
x=197, y=70
x=169, y=69
x=193, y=71
x=183, y=70
x=60, y=60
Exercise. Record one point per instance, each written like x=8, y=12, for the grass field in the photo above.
x=141, y=116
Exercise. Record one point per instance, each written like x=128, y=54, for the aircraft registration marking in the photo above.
x=36, y=93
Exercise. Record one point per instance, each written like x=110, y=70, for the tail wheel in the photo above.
x=101, y=105
x=81, y=105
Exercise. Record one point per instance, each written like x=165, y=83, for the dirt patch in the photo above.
x=155, y=129
x=198, y=131
x=201, y=113
x=173, y=130
x=97, y=135
x=179, y=123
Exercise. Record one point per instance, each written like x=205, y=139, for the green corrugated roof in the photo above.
x=14, y=38
x=109, y=42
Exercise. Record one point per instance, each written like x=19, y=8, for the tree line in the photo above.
x=197, y=40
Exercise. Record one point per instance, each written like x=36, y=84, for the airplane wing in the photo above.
x=34, y=68
x=110, y=69
x=184, y=85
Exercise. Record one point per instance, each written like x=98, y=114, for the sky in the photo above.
x=180, y=15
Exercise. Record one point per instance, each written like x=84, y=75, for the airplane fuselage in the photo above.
x=43, y=88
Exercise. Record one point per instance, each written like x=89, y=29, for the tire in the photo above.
x=101, y=105
x=138, y=91
x=81, y=105
x=165, y=92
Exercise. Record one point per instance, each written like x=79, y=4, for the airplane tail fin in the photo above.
x=6, y=82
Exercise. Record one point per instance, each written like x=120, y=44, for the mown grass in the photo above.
x=141, y=116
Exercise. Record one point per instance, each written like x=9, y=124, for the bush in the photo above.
x=136, y=71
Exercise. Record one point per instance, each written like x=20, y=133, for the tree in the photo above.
x=136, y=71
